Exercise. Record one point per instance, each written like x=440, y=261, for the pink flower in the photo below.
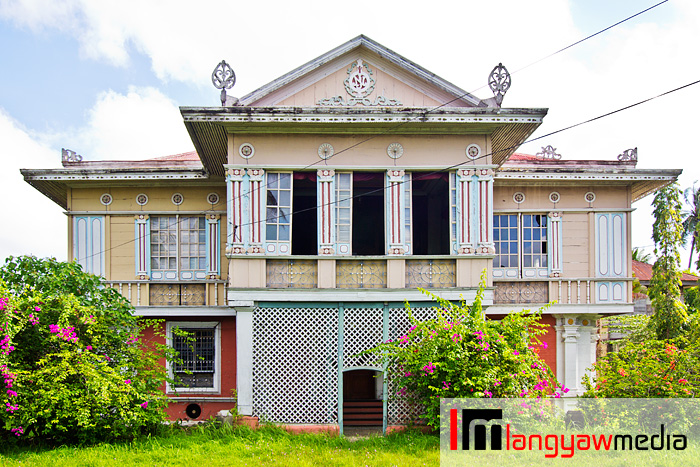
x=144, y=404
x=89, y=347
x=128, y=381
x=445, y=385
x=544, y=345
x=683, y=380
x=53, y=328
x=515, y=352
x=429, y=368
x=36, y=308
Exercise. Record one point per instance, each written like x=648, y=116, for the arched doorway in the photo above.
x=363, y=398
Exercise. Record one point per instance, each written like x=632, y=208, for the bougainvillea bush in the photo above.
x=651, y=368
x=461, y=354
x=73, y=368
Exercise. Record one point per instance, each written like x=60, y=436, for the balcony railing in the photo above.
x=578, y=291
x=431, y=273
x=150, y=293
x=360, y=274
x=292, y=273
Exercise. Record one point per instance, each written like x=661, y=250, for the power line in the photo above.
x=426, y=112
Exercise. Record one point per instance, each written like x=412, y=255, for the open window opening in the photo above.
x=431, y=214
x=368, y=214
x=304, y=231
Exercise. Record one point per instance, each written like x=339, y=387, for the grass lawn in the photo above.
x=209, y=447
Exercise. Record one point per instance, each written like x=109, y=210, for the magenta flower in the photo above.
x=445, y=385
x=36, y=308
x=11, y=393
x=429, y=368
x=515, y=352
x=89, y=347
x=53, y=328
x=544, y=345
x=144, y=404
x=128, y=381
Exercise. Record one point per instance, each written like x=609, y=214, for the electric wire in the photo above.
x=426, y=112
x=447, y=168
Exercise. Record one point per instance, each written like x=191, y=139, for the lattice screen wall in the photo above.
x=295, y=359
x=362, y=330
x=398, y=410
x=295, y=365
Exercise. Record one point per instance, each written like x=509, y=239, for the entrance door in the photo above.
x=362, y=398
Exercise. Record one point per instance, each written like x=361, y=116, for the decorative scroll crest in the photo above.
x=70, y=156
x=499, y=82
x=223, y=78
x=628, y=155
x=549, y=152
x=359, y=85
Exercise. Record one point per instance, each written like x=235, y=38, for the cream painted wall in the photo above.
x=299, y=150
x=120, y=234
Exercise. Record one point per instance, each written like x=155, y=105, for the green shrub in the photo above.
x=73, y=365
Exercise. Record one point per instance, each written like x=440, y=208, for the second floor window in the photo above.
x=521, y=244
x=178, y=247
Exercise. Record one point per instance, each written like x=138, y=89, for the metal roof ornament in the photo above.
x=223, y=78
x=628, y=155
x=499, y=82
x=548, y=152
x=70, y=156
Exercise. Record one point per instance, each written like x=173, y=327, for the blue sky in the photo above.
x=106, y=78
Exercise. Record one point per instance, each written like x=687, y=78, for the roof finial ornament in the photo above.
x=223, y=78
x=499, y=82
x=70, y=156
x=549, y=152
x=628, y=155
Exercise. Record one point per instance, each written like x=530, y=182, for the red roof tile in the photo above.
x=643, y=272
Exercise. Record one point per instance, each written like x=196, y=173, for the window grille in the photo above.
x=198, y=353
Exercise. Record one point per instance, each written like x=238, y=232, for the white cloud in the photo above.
x=32, y=224
x=141, y=124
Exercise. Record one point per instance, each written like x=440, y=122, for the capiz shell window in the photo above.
x=178, y=248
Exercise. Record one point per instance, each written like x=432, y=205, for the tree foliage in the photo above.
x=691, y=222
x=462, y=354
x=73, y=365
x=665, y=287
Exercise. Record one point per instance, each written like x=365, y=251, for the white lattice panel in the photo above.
x=295, y=365
x=399, y=411
x=362, y=330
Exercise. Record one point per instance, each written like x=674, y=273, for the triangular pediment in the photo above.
x=360, y=72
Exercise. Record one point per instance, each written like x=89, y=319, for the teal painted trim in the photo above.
x=370, y=368
x=385, y=383
x=293, y=305
x=341, y=329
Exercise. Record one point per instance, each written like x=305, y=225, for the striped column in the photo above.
x=326, y=211
x=256, y=222
x=395, y=212
x=466, y=180
x=554, y=243
x=485, y=212
x=235, y=242
x=143, y=247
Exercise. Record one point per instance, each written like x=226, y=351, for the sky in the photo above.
x=105, y=79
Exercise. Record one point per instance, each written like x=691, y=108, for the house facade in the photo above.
x=319, y=203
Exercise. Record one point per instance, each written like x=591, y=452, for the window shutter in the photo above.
x=89, y=243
